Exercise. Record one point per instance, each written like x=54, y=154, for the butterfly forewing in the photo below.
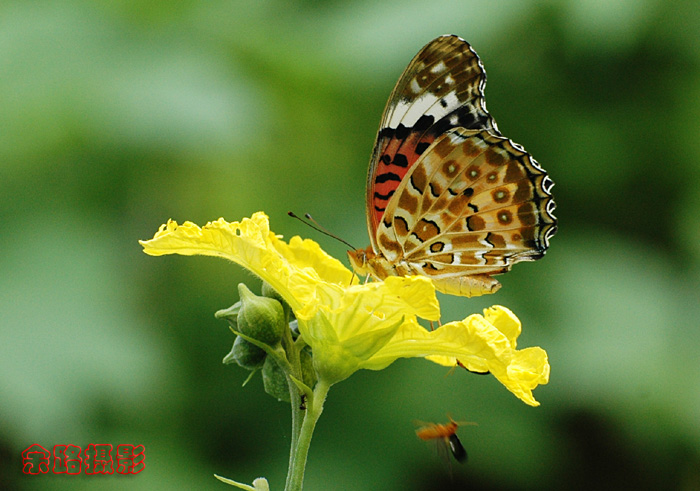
x=441, y=88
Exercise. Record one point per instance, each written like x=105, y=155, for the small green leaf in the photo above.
x=259, y=484
x=274, y=381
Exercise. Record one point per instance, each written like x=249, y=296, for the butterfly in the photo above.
x=449, y=197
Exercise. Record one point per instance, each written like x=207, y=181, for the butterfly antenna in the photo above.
x=315, y=225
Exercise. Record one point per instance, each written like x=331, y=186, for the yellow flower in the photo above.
x=492, y=338
x=350, y=326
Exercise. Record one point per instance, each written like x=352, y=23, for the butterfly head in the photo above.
x=367, y=262
x=358, y=260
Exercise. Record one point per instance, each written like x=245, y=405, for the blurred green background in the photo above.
x=115, y=116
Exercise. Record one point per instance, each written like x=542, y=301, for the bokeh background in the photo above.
x=115, y=116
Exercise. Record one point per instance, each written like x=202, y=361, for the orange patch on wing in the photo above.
x=443, y=258
x=389, y=244
x=470, y=148
x=494, y=157
x=444, y=148
x=400, y=226
x=426, y=230
x=475, y=223
x=526, y=214
x=457, y=205
x=514, y=171
x=524, y=191
x=466, y=241
x=419, y=180
x=498, y=241
x=409, y=203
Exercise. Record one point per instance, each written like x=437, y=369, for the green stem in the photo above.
x=297, y=418
x=293, y=368
x=314, y=408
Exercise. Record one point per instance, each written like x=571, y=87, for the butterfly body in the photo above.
x=448, y=196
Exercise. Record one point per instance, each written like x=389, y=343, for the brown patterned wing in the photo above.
x=475, y=203
x=442, y=88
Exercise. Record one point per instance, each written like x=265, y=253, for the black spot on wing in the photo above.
x=387, y=176
x=384, y=196
x=400, y=160
x=422, y=147
x=401, y=132
x=386, y=133
x=423, y=123
x=462, y=117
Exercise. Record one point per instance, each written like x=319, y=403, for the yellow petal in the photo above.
x=479, y=345
x=505, y=321
x=363, y=308
x=308, y=254
x=294, y=269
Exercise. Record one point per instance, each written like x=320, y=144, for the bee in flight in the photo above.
x=445, y=435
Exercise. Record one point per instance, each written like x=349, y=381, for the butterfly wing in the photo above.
x=442, y=88
x=474, y=203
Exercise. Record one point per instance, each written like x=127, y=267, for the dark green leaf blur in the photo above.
x=115, y=116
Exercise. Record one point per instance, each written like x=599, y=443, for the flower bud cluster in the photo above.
x=261, y=323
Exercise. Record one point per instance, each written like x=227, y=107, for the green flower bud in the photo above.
x=260, y=318
x=269, y=292
x=307, y=368
x=245, y=354
x=230, y=314
x=274, y=381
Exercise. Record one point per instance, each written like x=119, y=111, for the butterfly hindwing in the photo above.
x=474, y=204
